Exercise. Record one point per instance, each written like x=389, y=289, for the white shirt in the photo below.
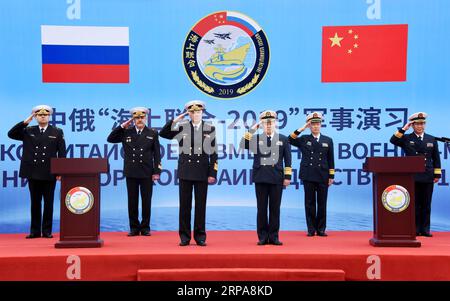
x=137, y=130
x=317, y=138
x=45, y=128
x=197, y=126
x=271, y=136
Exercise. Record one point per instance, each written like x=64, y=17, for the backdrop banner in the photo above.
x=365, y=65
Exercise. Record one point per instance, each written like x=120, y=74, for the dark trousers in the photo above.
x=41, y=189
x=145, y=185
x=268, y=196
x=201, y=190
x=316, y=216
x=424, y=192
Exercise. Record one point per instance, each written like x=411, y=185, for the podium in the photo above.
x=393, y=200
x=80, y=201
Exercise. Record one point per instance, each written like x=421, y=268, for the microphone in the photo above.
x=442, y=139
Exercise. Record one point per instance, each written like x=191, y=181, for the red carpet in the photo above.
x=233, y=274
x=230, y=255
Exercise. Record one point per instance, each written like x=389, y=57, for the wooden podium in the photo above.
x=393, y=200
x=80, y=201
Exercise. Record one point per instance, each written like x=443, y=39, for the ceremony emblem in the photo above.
x=79, y=200
x=226, y=54
x=395, y=198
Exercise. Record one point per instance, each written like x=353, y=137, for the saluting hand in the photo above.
x=180, y=117
x=255, y=126
x=307, y=125
x=127, y=123
x=407, y=126
x=28, y=120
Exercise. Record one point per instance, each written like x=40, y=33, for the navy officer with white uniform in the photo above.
x=40, y=143
x=142, y=166
x=419, y=143
x=197, y=167
x=316, y=171
x=271, y=149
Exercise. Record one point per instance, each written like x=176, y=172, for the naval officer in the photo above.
x=141, y=166
x=197, y=167
x=419, y=143
x=40, y=143
x=271, y=151
x=316, y=171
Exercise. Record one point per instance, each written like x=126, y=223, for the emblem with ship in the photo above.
x=226, y=67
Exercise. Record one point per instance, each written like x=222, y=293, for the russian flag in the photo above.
x=85, y=54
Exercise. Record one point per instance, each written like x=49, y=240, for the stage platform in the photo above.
x=230, y=255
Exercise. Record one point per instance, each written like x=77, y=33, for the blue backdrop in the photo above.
x=292, y=86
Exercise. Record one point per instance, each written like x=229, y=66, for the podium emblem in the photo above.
x=79, y=200
x=395, y=198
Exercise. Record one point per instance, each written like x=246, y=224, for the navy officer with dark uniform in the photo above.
x=197, y=167
x=40, y=143
x=270, y=150
x=316, y=171
x=142, y=166
x=419, y=143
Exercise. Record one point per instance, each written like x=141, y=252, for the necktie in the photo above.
x=139, y=132
x=269, y=141
x=42, y=131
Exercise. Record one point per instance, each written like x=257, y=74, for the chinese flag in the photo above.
x=375, y=53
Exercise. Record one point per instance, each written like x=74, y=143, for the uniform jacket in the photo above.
x=268, y=160
x=197, y=150
x=38, y=149
x=142, y=156
x=317, y=164
x=413, y=146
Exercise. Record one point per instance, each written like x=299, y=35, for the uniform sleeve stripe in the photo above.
x=398, y=134
x=294, y=135
x=248, y=136
x=437, y=171
x=331, y=171
x=288, y=170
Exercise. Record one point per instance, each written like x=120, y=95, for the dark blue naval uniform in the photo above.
x=196, y=162
x=316, y=168
x=142, y=159
x=412, y=145
x=38, y=149
x=268, y=176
